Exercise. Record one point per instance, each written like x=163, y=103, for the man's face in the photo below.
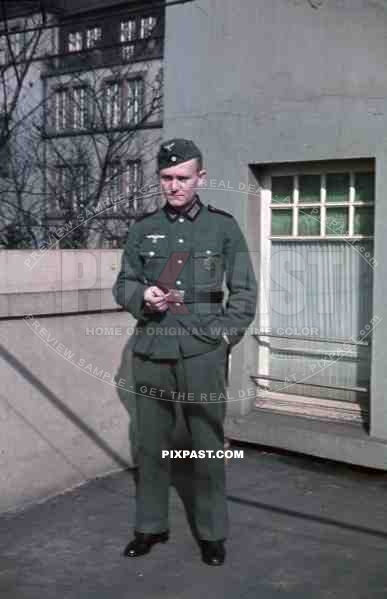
x=179, y=183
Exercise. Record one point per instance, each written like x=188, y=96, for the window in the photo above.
x=79, y=112
x=316, y=255
x=71, y=108
x=88, y=38
x=122, y=184
x=147, y=24
x=75, y=41
x=324, y=204
x=60, y=110
x=134, y=32
x=123, y=102
x=133, y=109
x=127, y=38
x=113, y=104
x=131, y=182
x=70, y=187
x=93, y=37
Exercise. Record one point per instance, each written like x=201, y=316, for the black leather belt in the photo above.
x=190, y=297
x=213, y=297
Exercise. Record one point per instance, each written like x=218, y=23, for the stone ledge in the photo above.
x=56, y=302
x=342, y=442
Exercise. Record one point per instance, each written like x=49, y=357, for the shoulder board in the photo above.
x=142, y=216
x=213, y=209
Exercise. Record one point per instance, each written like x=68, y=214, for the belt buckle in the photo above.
x=175, y=295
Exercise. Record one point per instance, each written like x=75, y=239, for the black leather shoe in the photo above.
x=213, y=552
x=143, y=541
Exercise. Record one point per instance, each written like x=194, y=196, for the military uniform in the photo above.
x=181, y=354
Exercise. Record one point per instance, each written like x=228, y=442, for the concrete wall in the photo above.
x=61, y=418
x=280, y=81
x=46, y=281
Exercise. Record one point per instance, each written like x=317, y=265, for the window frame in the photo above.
x=70, y=107
x=66, y=197
x=323, y=169
x=126, y=169
x=261, y=174
x=124, y=83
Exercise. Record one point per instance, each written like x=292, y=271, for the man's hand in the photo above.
x=155, y=299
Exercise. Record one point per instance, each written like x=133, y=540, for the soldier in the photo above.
x=174, y=266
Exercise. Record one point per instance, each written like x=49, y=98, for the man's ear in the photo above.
x=202, y=175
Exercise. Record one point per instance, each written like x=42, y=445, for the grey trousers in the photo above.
x=198, y=384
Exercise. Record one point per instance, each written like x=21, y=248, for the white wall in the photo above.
x=61, y=419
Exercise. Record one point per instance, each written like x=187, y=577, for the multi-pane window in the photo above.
x=325, y=204
x=113, y=102
x=70, y=187
x=147, y=24
x=60, y=109
x=127, y=38
x=123, y=102
x=79, y=112
x=93, y=37
x=75, y=41
x=71, y=109
x=122, y=183
x=133, y=98
x=131, y=178
x=136, y=30
x=88, y=38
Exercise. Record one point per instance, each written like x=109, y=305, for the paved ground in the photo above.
x=300, y=528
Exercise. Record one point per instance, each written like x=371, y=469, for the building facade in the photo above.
x=287, y=99
x=97, y=112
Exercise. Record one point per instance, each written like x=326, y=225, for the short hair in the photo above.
x=199, y=162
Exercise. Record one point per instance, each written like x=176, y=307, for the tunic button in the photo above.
x=177, y=304
x=180, y=261
x=180, y=240
x=154, y=240
x=151, y=253
x=178, y=282
x=181, y=220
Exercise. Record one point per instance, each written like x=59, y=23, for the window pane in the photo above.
x=281, y=190
x=336, y=221
x=128, y=31
x=364, y=221
x=338, y=187
x=309, y=188
x=134, y=101
x=309, y=221
x=128, y=52
x=93, y=36
x=75, y=41
x=79, y=108
x=113, y=104
x=281, y=222
x=147, y=24
x=365, y=187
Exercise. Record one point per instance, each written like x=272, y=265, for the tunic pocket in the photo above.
x=154, y=257
x=208, y=268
